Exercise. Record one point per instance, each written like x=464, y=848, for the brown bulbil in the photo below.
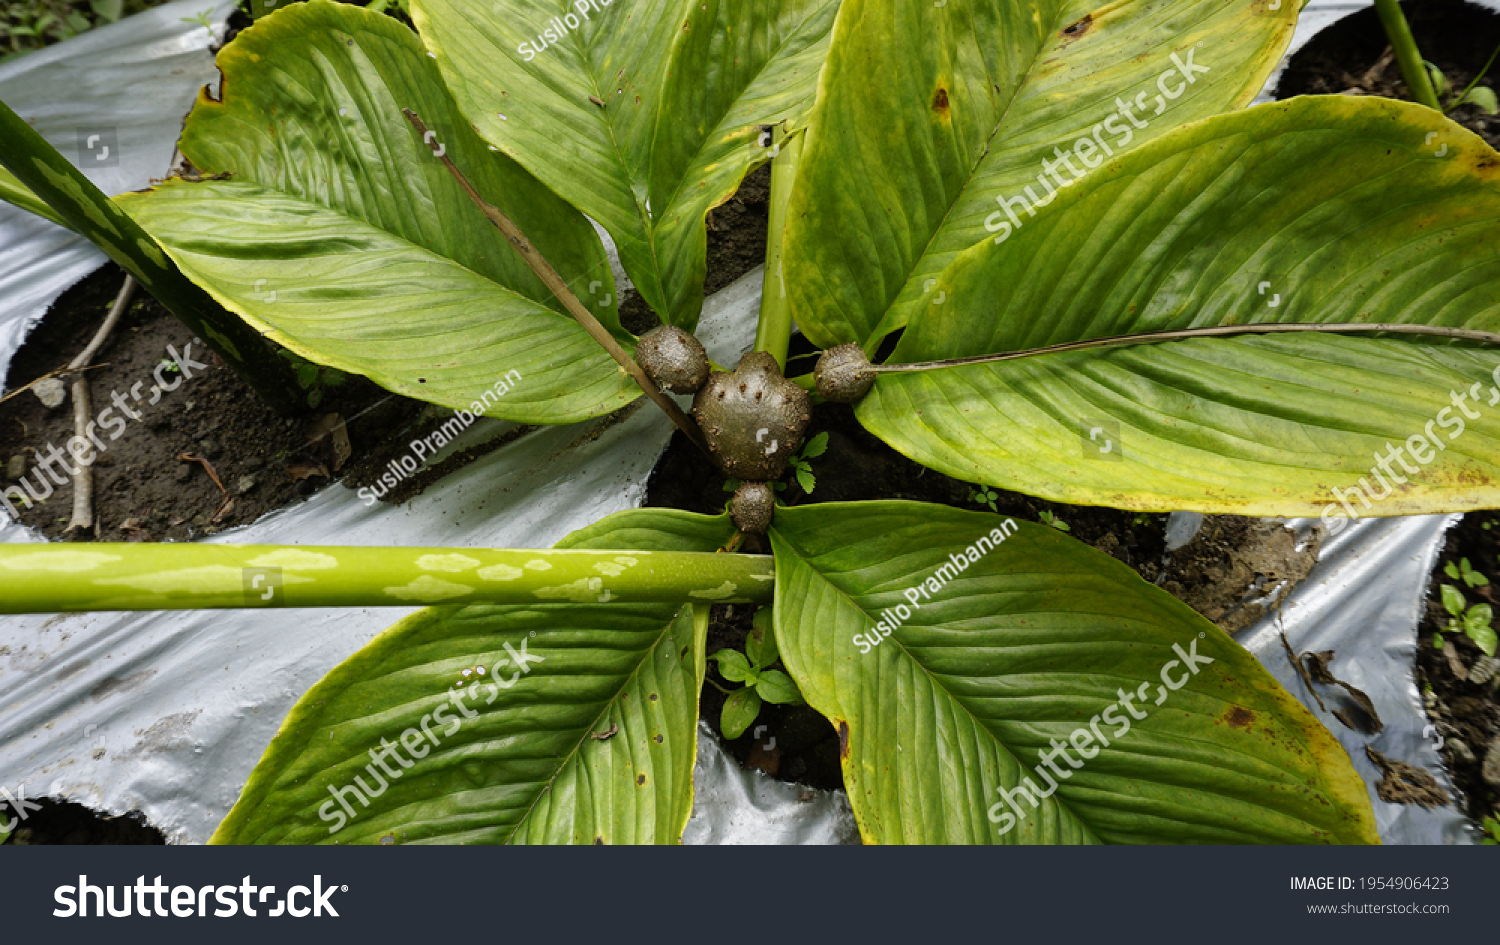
x=753, y=418
x=844, y=374
x=672, y=358
x=752, y=507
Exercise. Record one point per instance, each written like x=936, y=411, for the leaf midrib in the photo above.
x=1060, y=795
x=586, y=733
x=937, y=686
x=876, y=333
x=884, y=325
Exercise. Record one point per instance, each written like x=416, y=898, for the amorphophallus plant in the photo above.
x=1047, y=248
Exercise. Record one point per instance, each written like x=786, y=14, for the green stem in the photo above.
x=58, y=578
x=773, y=334
x=39, y=167
x=1470, y=87
x=1185, y=334
x=1407, y=56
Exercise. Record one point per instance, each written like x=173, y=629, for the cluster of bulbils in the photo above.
x=753, y=418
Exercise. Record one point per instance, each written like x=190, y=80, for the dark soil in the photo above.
x=239, y=19
x=143, y=490
x=1237, y=569
x=1463, y=700
x=62, y=822
x=1351, y=57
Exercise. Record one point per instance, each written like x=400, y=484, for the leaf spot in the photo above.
x=1239, y=717
x=1073, y=31
x=940, y=102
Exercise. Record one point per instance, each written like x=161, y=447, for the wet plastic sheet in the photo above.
x=112, y=100
x=734, y=806
x=1363, y=600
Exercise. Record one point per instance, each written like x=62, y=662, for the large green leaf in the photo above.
x=1319, y=210
x=929, y=112
x=340, y=235
x=1033, y=640
x=595, y=744
x=645, y=114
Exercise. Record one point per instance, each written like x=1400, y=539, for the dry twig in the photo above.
x=83, y=483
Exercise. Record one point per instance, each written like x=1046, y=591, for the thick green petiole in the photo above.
x=773, y=334
x=1407, y=56
x=12, y=191
x=58, y=578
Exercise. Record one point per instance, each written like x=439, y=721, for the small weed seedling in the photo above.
x=1463, y=571
x=985, y=496
x=1473, y=622
x=815, y=447
x=1491, y=832
x=1048, y=518
x=1481, y=96
x=202, y=19
x=761, y=683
